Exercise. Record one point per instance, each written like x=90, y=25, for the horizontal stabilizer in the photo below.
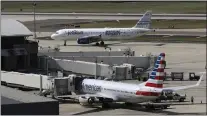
x=184, y=87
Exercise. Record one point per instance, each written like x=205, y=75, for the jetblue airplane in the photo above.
x=91, y=35
x=111, y=91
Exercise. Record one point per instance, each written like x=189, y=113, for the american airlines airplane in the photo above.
x=111, y=91
x=91, y=35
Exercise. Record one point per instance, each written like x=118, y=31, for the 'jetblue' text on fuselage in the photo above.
x=75, y=32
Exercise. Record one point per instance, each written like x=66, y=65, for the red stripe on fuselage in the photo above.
x=147, y=93
x=154, y=85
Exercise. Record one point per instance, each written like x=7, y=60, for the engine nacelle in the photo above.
x=83, y=40
x=88, y=39
x=86, y=100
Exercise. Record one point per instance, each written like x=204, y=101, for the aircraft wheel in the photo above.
x=97, y=44
x=165, y=107
x=128, y=104
x=90, y=101
x=149, y=107
x=102, y=43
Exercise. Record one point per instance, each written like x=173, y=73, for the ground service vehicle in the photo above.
x=177, y=75
x=192, y=76
x=174, y=75
x=171, y=95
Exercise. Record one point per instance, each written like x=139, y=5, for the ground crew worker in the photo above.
x=192, y=99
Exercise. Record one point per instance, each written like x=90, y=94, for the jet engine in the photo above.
x=83, y=40
x=88, y=39
x=86, y=100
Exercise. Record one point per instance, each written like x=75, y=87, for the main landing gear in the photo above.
x=65, y=42
x=105, y=105
x=128, y=104
x=101, y=43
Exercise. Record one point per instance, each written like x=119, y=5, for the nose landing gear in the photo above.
x=102, y=43
x=65, y=42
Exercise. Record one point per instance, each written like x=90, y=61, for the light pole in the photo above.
x=34, y=5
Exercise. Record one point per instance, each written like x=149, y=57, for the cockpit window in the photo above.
x=56, y=33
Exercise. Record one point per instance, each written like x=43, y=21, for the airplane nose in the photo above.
x=53, y=36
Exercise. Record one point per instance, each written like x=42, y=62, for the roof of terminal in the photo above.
x=14, y=96
x=10, y=27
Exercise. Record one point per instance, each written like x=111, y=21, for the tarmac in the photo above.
x=102, y=14
x=180, y=57
x=185, y=56
x=44, y=17
x=198, y=109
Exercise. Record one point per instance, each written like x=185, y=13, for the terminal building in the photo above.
x=17, y=53
x=16, y=102
x=20, y=55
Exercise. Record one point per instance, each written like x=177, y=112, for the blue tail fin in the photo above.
x=157, y=75
x=145, y=21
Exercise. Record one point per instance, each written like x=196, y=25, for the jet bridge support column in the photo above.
x=96, y=68
x=40, y=84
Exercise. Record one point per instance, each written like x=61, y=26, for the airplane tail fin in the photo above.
x=145, y=21
x=157, y=75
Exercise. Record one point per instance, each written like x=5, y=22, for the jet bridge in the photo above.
x=27, y=80
x=101, y=65
x=138, y=61
x=87, y=68
x=85, y=53
x=103, y=70
x=143, y=62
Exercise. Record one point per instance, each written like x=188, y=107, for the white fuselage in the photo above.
x=120, y=91
x=106, y=33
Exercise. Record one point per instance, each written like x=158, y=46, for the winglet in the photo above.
x=199, y=81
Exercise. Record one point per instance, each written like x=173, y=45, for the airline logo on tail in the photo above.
x=157, y=75
x=145, y=21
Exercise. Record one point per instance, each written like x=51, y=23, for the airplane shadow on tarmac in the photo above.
x=91, y=45
x=114, y=106
x=114, y=44
x=135, y=108
x=121, y=43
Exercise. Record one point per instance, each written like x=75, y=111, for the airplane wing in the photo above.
x=98, y=95
x=184, y=87
x=109, y=96
x=91, y=36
